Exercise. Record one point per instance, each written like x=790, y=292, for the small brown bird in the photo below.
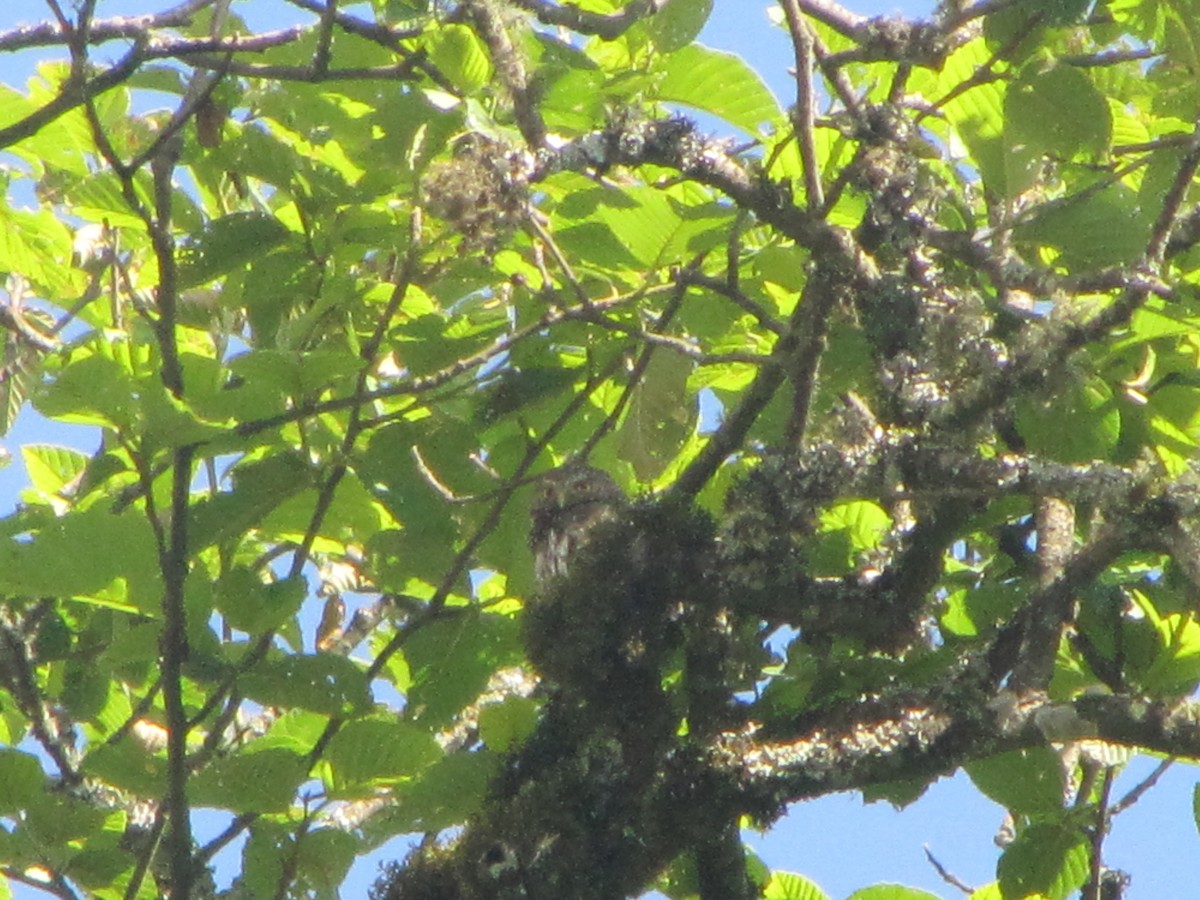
x=570, y=502
x=329, y=631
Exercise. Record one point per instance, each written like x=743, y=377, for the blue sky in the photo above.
x=837, y=841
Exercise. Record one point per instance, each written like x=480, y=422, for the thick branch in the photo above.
x=511, y=70
x=608, y=27
x=910, y=737
x=72, y=96
x=47, y=34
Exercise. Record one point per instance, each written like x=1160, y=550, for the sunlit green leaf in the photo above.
x=718, y=83
x=225, y=244
x=891, y=892
x=790, y=886
x=370, y=749
x=1078, y=424
x=975, y=108
x=1047, y=859
x=447, y=794
x=503, y=726
x=322, y=683
x=1024, y=781
x=265, y=781
x=52, y=467
x=251, y=606
x=20, y=779
x=1057, y=111
x=460, y=55
x=661, y=415
x=1080, y=228
x=677, y=24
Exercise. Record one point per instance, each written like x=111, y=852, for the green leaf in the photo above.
x=295, y=374
x=368, y=750
x=324, y=683
x=102, y=862
x=113, y=560
x=1154, y=320
x=1081, y=229
x=51, y=467
x=296, y=730
x=129, y=766
x=891, y=892
x=447, y=794
x=459, y=54
x=35, y=244
x=644, y=221
x=518, y=389
x=226, y=244
x=662, y=414
x=53, y=819
x=1022, y=28
x=54, y=640
x=260, y=782
x=14, y=391
x=1078, y=423
x=352, y=512
x=596, y=244
x=846, y=530
x=976, y=114
x=61, y=144
x=1057, y=111
x=1046, y=859
x=1177, y=405
x=95, y=390
x=452, y=659
x=312, y=863
x=573, y=100
x=790, y=886
x=1025, y=781
x=899, y=794
x=718, y=83
x=263, y=857
x=677, y=24
x=325, y=856
x=1017, y=29
x=258, y=487
x=504, y=726
x=21, y=780
x=168, y=422
x=1176, y=666
x=973, y=611
x=250, y=605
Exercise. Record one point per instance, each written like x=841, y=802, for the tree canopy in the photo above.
x=900, y=379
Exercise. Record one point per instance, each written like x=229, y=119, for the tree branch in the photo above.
x=608, y=27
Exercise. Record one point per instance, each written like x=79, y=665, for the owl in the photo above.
x=570, y=502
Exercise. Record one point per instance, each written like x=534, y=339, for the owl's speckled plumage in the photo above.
x=570, y=502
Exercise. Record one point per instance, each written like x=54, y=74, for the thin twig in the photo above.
x=945, y=874
x=1172, y=202
x=1139, y=789
x=1099, y=831
x=803, y=111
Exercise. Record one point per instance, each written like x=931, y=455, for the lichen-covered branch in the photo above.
x=609, y=27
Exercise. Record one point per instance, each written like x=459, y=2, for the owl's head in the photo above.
x=573, y=485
